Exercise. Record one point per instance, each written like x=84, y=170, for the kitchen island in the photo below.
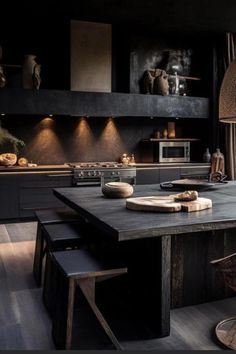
x=145, y=238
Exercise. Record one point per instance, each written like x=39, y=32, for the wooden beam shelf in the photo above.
x=97, y=104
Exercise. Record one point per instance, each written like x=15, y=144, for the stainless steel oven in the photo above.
x=97, y=174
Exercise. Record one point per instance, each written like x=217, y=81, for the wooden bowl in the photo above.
x=117, y=190
x=8, y=159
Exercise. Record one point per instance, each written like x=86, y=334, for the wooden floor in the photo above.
x=25, y=324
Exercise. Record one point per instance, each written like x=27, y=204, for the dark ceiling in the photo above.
x=195, y=16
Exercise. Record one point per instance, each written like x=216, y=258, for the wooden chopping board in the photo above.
x=167, y=204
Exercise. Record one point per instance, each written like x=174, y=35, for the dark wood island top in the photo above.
x=111, y=215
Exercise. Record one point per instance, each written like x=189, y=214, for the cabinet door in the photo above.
x=147, y=176
x=36, y=192
x=9, y=205
x=169, y=174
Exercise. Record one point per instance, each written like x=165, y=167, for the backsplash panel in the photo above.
x=56, y=140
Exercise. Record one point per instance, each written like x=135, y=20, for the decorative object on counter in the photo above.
x=157, y=134
x=22, y=162
x=30, y=164
x=132, y=160
x=217, y=177
x=165, y=133
x=6, y=137
x=171, y=130
x=117, y=190
x=8, y=159
x=2, y=76
x=206, y=156
x=31, y=72
x=125, y=159
x=217, y=162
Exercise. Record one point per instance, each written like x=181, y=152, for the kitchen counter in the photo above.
x=64, y=167
x=37, y=169
x=171, y=164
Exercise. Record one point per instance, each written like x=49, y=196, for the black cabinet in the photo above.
x=22, y=194
x=36, y=191
x=9, y=206
x=169, y=174
x=154, y=175
x=147, y=176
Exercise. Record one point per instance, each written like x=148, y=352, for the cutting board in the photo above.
x=167, y=204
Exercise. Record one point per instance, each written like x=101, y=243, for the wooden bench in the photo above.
x=46, y=217
x=79, y=268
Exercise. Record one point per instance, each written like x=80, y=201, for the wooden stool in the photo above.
x=79, y=268
x=44, y=217
x=226, y=329
x=58, y=237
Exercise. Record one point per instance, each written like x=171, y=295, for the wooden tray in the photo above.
x=189, y=184
x=166, y=204
x=226, y=332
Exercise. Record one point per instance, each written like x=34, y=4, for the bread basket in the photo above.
x=8, y=159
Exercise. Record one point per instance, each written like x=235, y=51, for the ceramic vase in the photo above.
x=28, y=68
x=206, y=156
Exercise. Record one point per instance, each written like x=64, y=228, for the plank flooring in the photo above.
x=25, y=324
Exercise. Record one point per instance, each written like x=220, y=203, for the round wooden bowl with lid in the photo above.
x=117, y=190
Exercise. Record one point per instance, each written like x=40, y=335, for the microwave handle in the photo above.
x=187, y=150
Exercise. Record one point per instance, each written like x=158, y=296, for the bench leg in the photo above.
x=38, y=256
x=88, y=288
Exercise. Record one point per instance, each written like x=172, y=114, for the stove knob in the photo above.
x=113, y=173
x=93, y=173
x=89, y=173
x=81, y=174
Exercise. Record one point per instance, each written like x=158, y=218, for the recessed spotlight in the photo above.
x=50, y=115
x=2, y=114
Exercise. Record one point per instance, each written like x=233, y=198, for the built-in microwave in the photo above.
x=171, y=151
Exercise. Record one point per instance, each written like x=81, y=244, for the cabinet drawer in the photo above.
x=45, y=181
x=195, y=171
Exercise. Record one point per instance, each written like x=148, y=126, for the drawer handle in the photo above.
x=60, y=175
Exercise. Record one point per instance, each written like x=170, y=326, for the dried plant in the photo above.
x=6, y=137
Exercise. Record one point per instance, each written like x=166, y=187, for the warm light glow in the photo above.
x=46, y=143
x=110, y=140
x=83, y=141
x=2, y=114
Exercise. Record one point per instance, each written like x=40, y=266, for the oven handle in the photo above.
x=84, y=184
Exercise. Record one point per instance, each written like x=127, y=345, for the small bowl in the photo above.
x=117, y=190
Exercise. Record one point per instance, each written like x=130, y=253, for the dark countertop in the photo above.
x=65, y=168
x=37, y=169
x=112, y=217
